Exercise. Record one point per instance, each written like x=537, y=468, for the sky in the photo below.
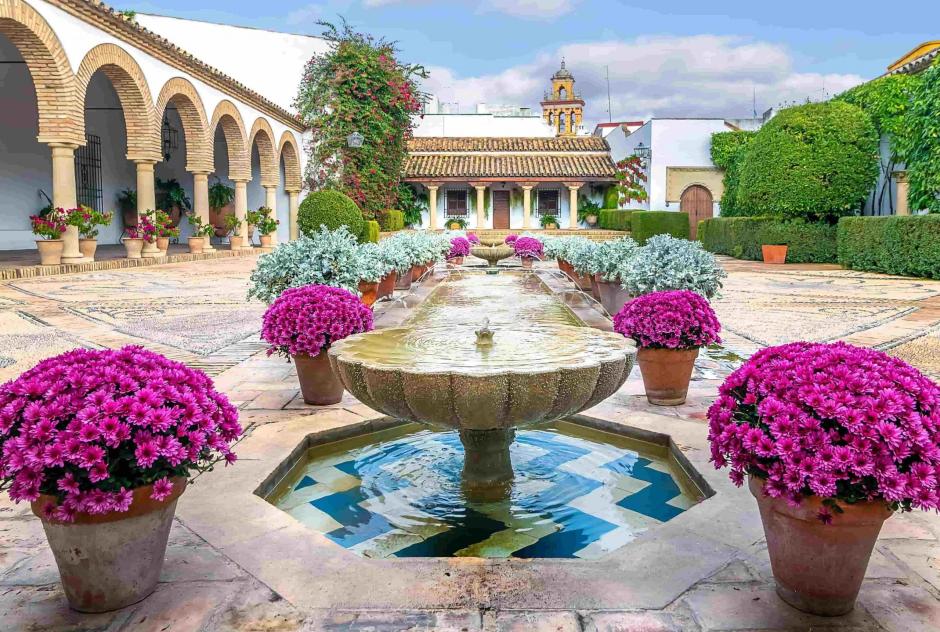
x=678, y=58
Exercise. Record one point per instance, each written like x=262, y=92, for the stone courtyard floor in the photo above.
x=236, y=563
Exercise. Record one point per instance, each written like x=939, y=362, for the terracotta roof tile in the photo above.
x=569, y=144
x=510, y=166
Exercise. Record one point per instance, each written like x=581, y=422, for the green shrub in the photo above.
x=614, y=219
x=331, y=209
x=645, y=224
x=742, y=238
x=728, y=151
x=907, y=245
x=394, y=220
x=372, y=232
x=611, y=197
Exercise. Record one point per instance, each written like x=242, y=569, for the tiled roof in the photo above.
x=510, y=166
x=568, y=144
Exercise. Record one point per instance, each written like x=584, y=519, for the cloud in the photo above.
x=305, y=14
x=526, y=9
x=695, y=76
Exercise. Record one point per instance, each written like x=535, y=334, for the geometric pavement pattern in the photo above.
x=573, y=496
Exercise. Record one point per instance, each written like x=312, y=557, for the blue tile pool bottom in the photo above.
x=397, y=493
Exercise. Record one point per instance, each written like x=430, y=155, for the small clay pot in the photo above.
x=818, y=567
x=550, y=227
x=88, y=248
x=387, y=285
x=197, y=245
x=403, y=282
x=369, y=292
x=163, y=244
x=50, y=251
x=318, y=384
x=265, y=241
x=666, y=374
x=457, y=261
x=590, y=220
x=235, y=242
x=133, y=246
x=774, y=254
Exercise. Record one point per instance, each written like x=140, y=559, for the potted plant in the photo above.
x=221, y=198
x=252, y=219
x=87, y=220
x=588, y=210
x=473, y=239
x=774, y=253
x=266, y=225
x=459, y=248
x=104, y=462
x=669, y=263
x=833, y=439
x=579, y=256
x=201, y=233
x=549, y=222
x=510, y=239
x=50, y=228
x=301, y=324
x=456, y=223
x=372, y=269
x=134, y=241
x=172, y=196
x=165, y=230
x=528, y=249
x=127, y=203
x=609, y=257
x=397, y=258
x=233, y=227
x=669, y=328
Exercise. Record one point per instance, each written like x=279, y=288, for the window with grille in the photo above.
x=548, y=203
x=457, y=203
x=88, y=173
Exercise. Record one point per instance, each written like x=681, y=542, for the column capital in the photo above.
x=269, y=185
x=573, y=186
x=145, y=161
x=293, y=191
x=432, y=185
x=479, y=185
x=201, y=172
x=527, y=186
x=240, y=180
x=64, y=145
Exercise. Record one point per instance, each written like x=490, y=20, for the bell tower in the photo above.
x=563, y=108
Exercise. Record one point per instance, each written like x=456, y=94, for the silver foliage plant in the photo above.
x=610, y=255
x=579, y=252
x=372, y=266
x=668, y=263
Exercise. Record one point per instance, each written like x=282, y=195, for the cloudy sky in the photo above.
x=664, y=57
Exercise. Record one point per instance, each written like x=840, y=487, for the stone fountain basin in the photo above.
x=438, y=375
x=492, y=254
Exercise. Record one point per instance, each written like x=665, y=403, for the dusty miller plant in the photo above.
x=610, y=256
x=372, y=266
x=668, y=263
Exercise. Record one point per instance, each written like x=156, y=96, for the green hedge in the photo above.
x=611, y=197
x=372, y=231
x=742, y=238
x=614, y=219
x=908, y=245
x=646, y=224
x=331, y=209
x=394, y=220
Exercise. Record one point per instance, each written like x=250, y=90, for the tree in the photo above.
x=919, y=143
x=358, y=85
x=816, y=161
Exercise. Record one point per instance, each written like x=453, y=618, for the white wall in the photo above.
x=479, y=125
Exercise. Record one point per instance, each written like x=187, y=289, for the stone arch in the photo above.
x=119, y=67
x=287, y=148
x=227, y=116
x=183, y=96
x=262, y=133
x=60, y=115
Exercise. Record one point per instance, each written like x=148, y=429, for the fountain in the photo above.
x=493, y=253
x=535, y=363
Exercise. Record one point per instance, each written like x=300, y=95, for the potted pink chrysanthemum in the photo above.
x=101, y=443
x=459, y=248
x=669, y=328
x=529, y=249
x=301, y=324
x=833, y=439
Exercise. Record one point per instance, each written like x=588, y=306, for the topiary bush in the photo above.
x=646, y=224
x=742, y=238
x=394, y=220
x=814, y=161
x=614, y=219
x=907, y=245
x=372, y=232
x=332, y=209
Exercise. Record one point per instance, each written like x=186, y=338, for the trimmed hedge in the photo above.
x=394, y=220
x=646, y=224
x=372, y=232
x=614, y=219
x=905, y=245
x=331, y=209
x=611, y=197
x=742, y=238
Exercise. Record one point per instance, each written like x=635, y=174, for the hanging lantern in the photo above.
x=169, y=137
x=355, y=140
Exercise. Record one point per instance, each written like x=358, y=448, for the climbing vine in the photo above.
x=631, y=180
x=919, y=142
x=358, y=85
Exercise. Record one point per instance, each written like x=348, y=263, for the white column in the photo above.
x=241, y=209
x=573, y=204
x=146, y=201
x=902, y=207
x=201, y=201
x=481, y=199
x=293, y=203
x=432, y=206
x=527, y=206
x=270, y=200
x=63, y=196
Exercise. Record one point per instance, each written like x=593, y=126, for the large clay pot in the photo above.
x=50, y=251
x=595, y=291
x=110, y=561
x=666, y=374
x=163, y=244
x=404, y=280
x=583, y=281
x=613, y=296
x=235, y=242
x=318, y=385
x=565, y=267
x=88, y=248
x=818, y=567
x=197, y=245
x=417, y=272
x=369, y=292
x=265, y=241
x=774, y=254
x=133, y=246
x=387, y=285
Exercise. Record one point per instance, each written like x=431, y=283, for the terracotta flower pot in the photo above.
x=818, y=567
x=565, y=267
x=88, y=248
x=163, y=244
x=197, y=245
x=113, y=560
x=369, y=292
x=527, y=262
x=235, y=242
x=774, y=254
x=318, y=385
x=595, y=291
x=583, y=281
x=590, y=220
x=613, y=296
x=50, y=251
x=387, y=285
x=417, y=272
x=265, y=241
x=404, y=280
x=133, y=246
x=550, y=227
x=666, y=374
x=457, y=261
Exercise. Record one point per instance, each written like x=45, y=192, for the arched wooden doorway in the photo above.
x=697, y=202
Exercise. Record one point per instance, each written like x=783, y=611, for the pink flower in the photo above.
x=162, y=489
x=677, y=319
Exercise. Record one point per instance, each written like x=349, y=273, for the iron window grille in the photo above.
x=548, y=203
x=88, y=190
x=456, y=203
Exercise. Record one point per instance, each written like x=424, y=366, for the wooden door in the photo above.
x=501, y=209
x=697, y=202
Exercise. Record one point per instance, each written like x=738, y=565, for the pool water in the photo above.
x=577, y=493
